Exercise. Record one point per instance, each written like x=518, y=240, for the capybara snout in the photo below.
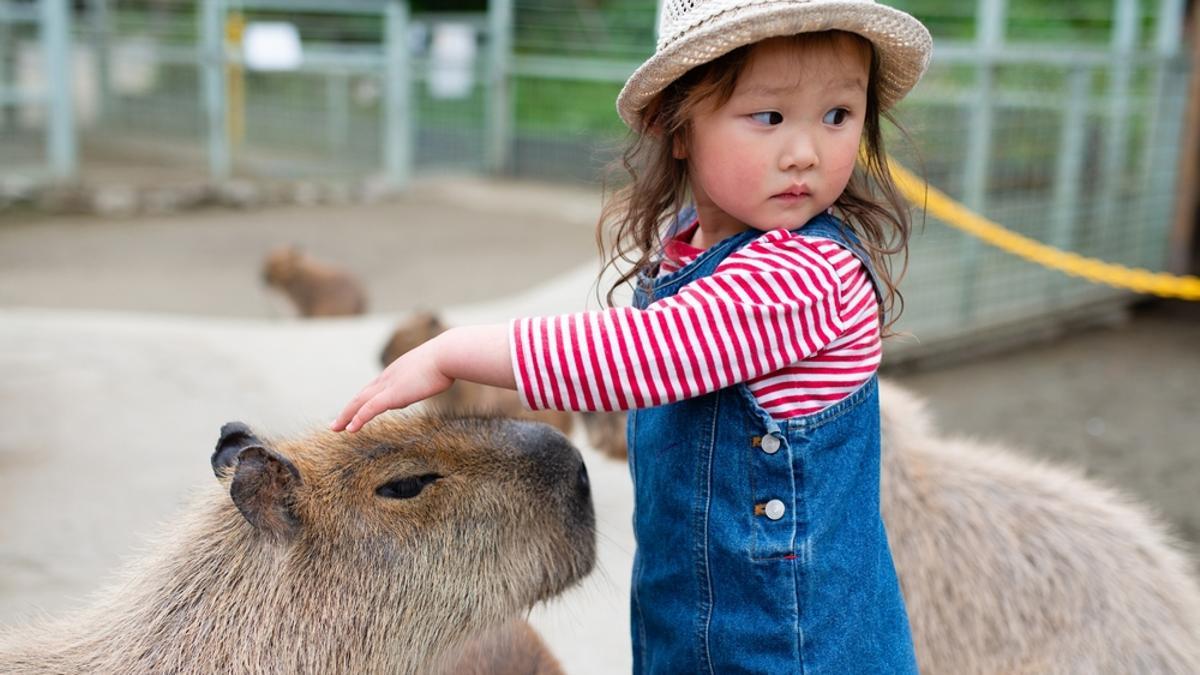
x=553, y=457
x=546, y=474
x=556, y=470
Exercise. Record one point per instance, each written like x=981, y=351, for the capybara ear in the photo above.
x=433, y=325
x=414, y=331
x=235, y=437
x=263, y=487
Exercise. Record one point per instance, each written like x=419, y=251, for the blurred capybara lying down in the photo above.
x=1012, y=566
x=315, y=288
x=465, y=397
x=397, y=549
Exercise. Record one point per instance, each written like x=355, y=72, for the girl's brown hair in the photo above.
x=632, y=220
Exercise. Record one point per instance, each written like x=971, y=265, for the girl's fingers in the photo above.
x=367, y=393
x=368, y=411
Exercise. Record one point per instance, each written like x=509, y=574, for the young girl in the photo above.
x=748, y=360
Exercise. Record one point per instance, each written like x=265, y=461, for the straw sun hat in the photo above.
x=693, y=32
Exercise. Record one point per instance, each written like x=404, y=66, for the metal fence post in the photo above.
x=101, y=39
x=1165, y=110
x=8, y=70
x=213, y=84
x=499, y=131
x=1069, y=174
x=61, y=147
x=1112, y=207
x=1168, y=36
x=989, y=38
x=398, y=117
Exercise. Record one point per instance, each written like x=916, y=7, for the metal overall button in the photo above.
x=773, y=509
x=769, y=443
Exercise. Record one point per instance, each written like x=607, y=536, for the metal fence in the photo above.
x=37, y=131
x=1059, y=120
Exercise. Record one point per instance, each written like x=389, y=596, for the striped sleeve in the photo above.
x=773, y=303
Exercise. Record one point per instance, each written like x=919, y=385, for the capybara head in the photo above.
x=415, y=331
x=492, y=514
x=281, y=265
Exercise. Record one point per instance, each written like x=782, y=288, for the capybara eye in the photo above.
x=407, y=487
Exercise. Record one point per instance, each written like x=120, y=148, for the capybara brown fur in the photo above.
x=385, y=551
x=605, y=432
x=316, y=289
x=1014, y=566
x=513, y=649
x=466, y=397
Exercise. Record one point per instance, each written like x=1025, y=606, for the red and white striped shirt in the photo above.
x=794, y=317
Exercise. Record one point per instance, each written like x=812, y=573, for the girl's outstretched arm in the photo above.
x=474, y=353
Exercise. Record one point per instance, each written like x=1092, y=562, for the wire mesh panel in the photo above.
x=451, y=77
x=571, y=59
x=372, y=88
x=136, y=81
x=21, y=135
x=319, y=116
x=1064, y=131
x=36, y=131
x=149, y=62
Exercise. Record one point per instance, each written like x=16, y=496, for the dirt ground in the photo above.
x=1121, y=401
x=445, y=242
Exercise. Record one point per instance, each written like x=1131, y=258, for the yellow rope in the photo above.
x=958, y=215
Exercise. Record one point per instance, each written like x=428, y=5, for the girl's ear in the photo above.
x=679, y=147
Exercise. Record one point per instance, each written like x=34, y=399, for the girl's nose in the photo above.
x=799, y=152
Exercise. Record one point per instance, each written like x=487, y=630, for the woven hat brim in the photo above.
x=902, y=43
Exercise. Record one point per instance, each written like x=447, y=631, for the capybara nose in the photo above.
x=554, y=459
x=545, y=441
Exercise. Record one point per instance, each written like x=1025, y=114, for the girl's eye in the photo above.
x=407, y=487
x=836, y=117
x=771, y=118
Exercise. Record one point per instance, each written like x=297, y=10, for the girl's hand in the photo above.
x=413, y=377
x=475, y=353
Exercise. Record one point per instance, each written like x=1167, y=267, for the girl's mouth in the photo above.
x=791, y=196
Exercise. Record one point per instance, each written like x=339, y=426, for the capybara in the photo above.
x=1015, y=566
x=606, y=432
x=513, y=649
x=466, y=397
x=315, y=288
x=386, y=551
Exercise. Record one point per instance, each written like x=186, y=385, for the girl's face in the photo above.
x=782, y=149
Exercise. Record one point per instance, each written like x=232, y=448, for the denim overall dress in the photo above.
x=760, y=545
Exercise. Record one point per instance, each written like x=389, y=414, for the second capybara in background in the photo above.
x=316, y=289
x=606, y=433
x=462, y=396
x=1010, y=565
